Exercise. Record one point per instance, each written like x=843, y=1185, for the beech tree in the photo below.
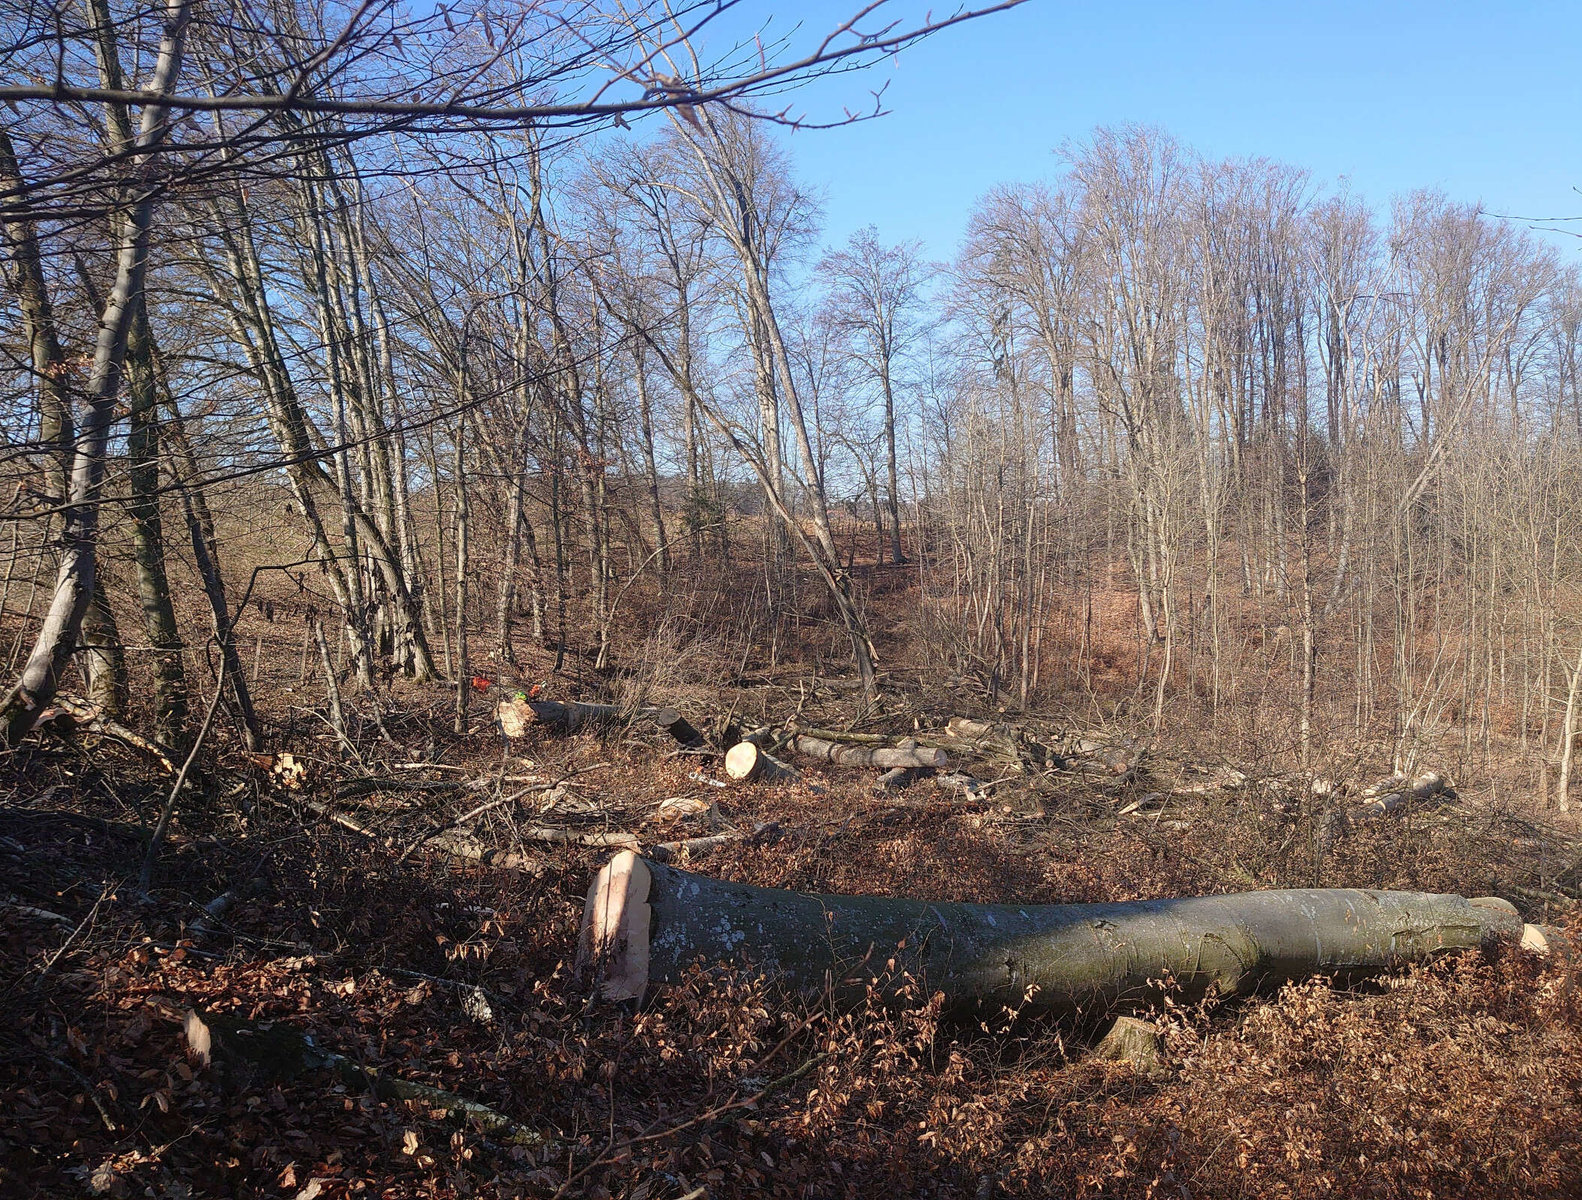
x=285, y=93
x=875, y=293
x=1175, y=433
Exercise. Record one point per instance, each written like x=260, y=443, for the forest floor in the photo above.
x=1463, y=1078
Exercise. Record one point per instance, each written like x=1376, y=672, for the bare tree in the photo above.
x=875, y=292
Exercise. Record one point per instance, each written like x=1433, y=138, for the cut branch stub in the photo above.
x=647, y=923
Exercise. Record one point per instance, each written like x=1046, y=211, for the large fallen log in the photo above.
x=518, y=714
x=1387, y=798
x=883, y=757
x=648, y=923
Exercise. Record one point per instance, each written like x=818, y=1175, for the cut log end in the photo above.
x=743, y=762
x=612, y=949
x=1542, y=939
x=199, y=1042
x=747, y=763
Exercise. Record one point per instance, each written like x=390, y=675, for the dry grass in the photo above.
x=1458, y=1080
x=1463, y=1079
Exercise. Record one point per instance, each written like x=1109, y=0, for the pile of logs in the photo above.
x=778, y=754
x=647, y=921
x=1390, y=795
x=769, y=754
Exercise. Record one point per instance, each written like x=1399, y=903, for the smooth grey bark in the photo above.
x=512, y=474
x=645, y=413
x=463, y=515
x=332, y=681
x=102, y=658
x=884, y=757
x=148, y=538
x=142, y=442
x=188, y=475
x=47, y=361
x=648, y=923
x=57, y=636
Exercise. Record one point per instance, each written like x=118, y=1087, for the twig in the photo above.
x=468, y=816
x=88, y=1087
x=72, y=937
x=146, y=875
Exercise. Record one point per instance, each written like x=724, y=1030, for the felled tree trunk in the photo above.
x=883, y=757
x=647, y=923
x=1424, y=787
x=516, y=716
x=745, y=762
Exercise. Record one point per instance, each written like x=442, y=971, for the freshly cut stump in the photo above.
x=648, y=923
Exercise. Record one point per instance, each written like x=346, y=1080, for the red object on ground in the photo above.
x=480, y=684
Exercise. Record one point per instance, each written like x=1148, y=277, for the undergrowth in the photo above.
x=1463, y=1078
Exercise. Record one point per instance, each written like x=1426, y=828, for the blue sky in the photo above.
x=1481, y=100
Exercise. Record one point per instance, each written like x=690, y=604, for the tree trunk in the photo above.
x=516, y=716
x=48, y=362
x=883, y=757
x=148, y=538
x=1568, y=738
x=463, y=513
x=205, y=553
x=648, y=923
x=332, y=681
x=893, y=500
x=103, y=659
x=746, y=762
x=57, y=636
x=650, y=467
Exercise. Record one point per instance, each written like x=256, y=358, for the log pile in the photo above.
x=763, y=754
